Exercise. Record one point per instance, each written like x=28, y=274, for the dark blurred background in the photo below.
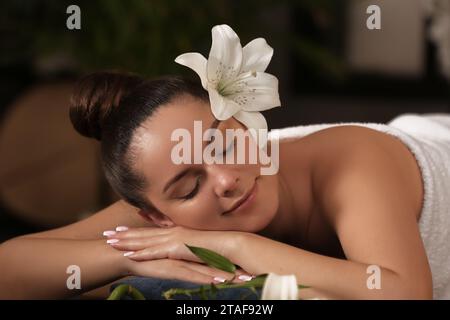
x=331, y=68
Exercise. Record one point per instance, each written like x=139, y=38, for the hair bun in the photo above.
x=95, y=97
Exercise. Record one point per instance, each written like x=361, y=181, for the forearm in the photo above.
x=37, y=268
x=328, y=277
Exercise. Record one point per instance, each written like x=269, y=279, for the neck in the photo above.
x=296, y=205
x=285, y=218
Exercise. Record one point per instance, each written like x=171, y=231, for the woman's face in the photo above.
x=200, y=196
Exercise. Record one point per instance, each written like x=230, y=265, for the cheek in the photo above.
x=197, y=213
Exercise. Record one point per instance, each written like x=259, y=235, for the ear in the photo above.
x=156, y=217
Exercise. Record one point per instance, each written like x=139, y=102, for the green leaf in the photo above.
x=258, y=281
x=214, y=291
x=252, y=289
x=136, y=294
x=303, y=287
x=203, y=293
x=118, y=292
x=125, y=290
x=213, y=259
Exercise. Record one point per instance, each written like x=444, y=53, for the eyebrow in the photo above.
x=182, y=173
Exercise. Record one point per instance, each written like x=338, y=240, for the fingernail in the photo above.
x=219, y=279
x=244, y=277
x=110, y=241
x=129, y=253
x=109, y=233
x=121, y=228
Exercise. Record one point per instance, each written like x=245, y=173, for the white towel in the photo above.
x=428, y=138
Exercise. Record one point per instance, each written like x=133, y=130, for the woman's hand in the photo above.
x=180, y=270
x=150, y=243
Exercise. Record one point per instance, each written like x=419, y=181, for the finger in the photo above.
x=243, y=275
x=171, y=269
x=138, y=233
x=187, y=274
x=163, y=251
x=222, y=276
x=194, y=263
x=135, y=244
x=214, y=273
x=146, y=254
x=210, y=275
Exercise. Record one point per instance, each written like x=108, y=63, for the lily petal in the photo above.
x=278, y=287
x=221, y=107
x=225, y=57
x=256, y=121
x=256, y=55
x=256, y=93
x=196, y=62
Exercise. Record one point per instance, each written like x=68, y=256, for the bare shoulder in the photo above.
x=350, y=158
x=369, y=187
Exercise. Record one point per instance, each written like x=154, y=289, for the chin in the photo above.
x=263, y=210
x=258, y=220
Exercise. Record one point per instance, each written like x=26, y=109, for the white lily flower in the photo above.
x=235, y=79
x=278, y=287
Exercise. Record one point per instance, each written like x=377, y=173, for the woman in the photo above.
x=349, y=211
x=344, y=198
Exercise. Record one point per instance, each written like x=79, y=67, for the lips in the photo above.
x=241, y=201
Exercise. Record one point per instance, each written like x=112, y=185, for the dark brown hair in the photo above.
x=110, y=106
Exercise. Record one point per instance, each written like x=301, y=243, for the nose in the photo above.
x=226, y=183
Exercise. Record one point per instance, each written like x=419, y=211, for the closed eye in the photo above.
x=194, y=191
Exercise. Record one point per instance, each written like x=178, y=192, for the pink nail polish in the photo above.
x=121, y=228
x=111, y=241
x=109, y=233
x=129, y=253
x=244, y=277
x=219, y=279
